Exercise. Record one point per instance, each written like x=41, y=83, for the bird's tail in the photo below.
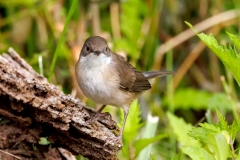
x=155, y=74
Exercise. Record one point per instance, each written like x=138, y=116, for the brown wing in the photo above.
x=131, y=79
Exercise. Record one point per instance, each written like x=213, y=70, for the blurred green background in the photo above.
x=152, y=35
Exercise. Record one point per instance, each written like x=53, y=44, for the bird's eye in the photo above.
x=87, y=48
x=106, y=49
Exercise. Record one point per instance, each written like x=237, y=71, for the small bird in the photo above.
x=108, y=79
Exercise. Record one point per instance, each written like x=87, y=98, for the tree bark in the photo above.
x=35, y=108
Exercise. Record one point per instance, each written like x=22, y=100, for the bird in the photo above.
x=108, y=79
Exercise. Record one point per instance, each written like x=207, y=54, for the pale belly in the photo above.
x=101, y=90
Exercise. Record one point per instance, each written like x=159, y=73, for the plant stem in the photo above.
x=70, y=13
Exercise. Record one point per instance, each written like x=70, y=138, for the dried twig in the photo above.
x=185, y=35
x=10, y=154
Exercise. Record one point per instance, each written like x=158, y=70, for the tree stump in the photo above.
x=32, y=108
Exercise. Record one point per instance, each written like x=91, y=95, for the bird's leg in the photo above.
x=125, y=112
x=119, y=138
x=97, y=115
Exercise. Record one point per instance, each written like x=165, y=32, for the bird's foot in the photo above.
x=115, y=141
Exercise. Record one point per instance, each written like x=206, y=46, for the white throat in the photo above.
x=92, y=60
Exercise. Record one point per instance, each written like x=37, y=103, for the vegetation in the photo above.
x=193, y=114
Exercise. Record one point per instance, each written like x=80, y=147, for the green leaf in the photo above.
x=43, y=141
x=227, y=55
x=152, y=157
x=215, y=142
x=197, y=153
x=142, y=143
x=222, y=146
x=132, y=126
x=35, y=148
x=196, y=99
x=177, y=156
x=133, y=123
x=234, y=129
x=235, y=39
x=199, y=99
x=222, y=122
x=219, y=101
x=200, y=134
x=190, y=26
x=211, y=127
x=181, y=129
x=226, y=135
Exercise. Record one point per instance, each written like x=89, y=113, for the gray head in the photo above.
x=96, y=45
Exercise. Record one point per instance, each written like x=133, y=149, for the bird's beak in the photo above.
x=97, y=52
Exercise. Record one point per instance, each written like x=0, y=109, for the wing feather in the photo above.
x=131, y=79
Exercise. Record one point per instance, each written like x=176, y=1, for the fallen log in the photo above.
x=35, y=108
